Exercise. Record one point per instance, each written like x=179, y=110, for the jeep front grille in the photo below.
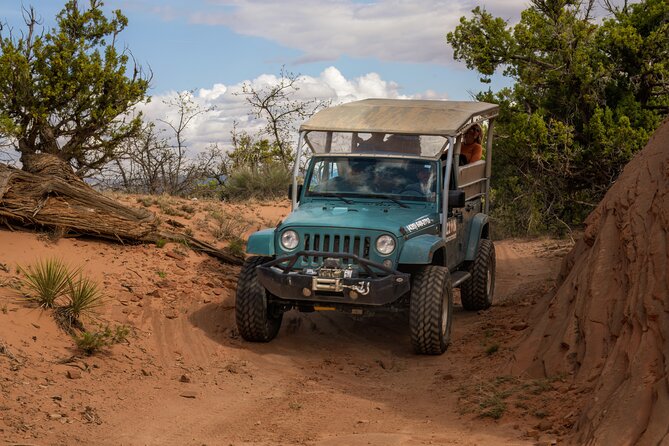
x=357, y=245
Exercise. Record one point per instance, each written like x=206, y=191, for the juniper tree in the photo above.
x=67, y=91
x=587, y=96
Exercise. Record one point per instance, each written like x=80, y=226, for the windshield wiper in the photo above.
x=388, y=197
x=330, y=194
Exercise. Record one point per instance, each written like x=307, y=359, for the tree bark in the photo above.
x=48, y=195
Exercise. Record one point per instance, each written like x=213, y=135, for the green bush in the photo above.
x=209, y=189
x=52, y=284
x=237, y=247
x=268, y=181
x=47, y=281
x=91, y=342
x=83, y=296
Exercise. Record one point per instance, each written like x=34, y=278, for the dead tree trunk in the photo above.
x=607, y=327
x=48, y=195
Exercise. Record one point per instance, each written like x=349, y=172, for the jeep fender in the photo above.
x=477, y=230
x=420, y=249
x=261, y=243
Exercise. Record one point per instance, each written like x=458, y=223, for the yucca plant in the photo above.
x=47, y=280
x=83, y=296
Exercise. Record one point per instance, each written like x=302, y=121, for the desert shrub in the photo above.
x=47, y=281
x=487, y=399
x=160, y=243
x=145, y=201
x=228, y=227
x=168, y=205
x=83, y=298
x=268, y=181
x=92, y=342
x=237, y=247
x=517, y=211
x=188, y=209
x=210, y=207
x=52, y=284
x=493, y=397
x=491, y=350
x=207, y=189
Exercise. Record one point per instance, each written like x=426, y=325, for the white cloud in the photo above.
x=229, y=106
x=391, y=30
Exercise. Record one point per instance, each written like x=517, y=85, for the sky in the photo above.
x=343, y=50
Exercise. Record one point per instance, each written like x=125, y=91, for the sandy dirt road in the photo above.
x=186, y=378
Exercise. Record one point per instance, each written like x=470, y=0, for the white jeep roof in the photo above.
x=401, y=116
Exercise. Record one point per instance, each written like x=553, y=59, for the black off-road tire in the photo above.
x=477, y=292
x=431, y=310
x=257, y=321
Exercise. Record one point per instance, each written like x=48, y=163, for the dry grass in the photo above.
x=228, y=227
x=493, y=398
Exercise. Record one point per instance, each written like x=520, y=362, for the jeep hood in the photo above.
x=375, y=216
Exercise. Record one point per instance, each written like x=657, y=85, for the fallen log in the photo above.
x=47, y=195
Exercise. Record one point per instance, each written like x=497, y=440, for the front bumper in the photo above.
x=376, y=289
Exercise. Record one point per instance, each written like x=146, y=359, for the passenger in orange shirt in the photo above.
x=471, y=149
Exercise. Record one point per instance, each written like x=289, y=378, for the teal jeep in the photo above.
x=387, y=220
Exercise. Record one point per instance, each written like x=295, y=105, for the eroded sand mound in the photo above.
x=607, y=327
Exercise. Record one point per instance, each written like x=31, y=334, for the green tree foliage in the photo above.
x=66, y=92
x=586, y=97
x=252, y=153
x=256, y=168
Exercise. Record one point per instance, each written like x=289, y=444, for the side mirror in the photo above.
x=456, y=198
x=290, y=191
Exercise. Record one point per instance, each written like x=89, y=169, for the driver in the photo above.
x=424, y=183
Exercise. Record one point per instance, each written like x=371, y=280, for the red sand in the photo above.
x=607, y=326
x=186, y=378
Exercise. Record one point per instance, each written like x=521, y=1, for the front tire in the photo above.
x=257, y=320
x=431, y=310
x=476, y=293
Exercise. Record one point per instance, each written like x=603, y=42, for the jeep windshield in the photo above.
x=373, y=177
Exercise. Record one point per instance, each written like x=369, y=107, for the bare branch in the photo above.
x=275, y=104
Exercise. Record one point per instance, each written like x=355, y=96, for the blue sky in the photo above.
x=229, y=41
x=345, y=49
x=196, y=44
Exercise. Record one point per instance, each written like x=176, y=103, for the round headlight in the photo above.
x=385, y=244
x=289, y=240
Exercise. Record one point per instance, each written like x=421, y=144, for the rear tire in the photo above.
x=257, y=320
x=431, y=310
x=476, y=293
